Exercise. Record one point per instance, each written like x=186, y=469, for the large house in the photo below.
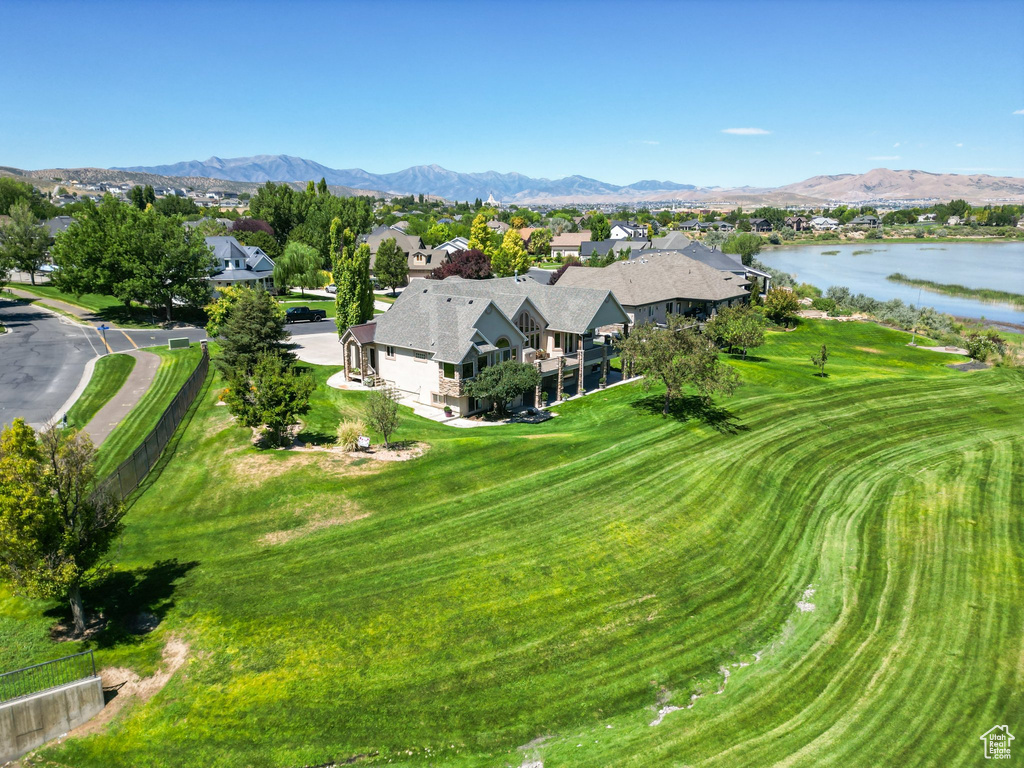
x=422, y=260
x=622, y=230
x=869, y=221
x=760, y=225
x=439, y=334
x=824, y=224
x=723, y=262
x=239, y=264
x=797, y=223
x=568, y=243
x=658, y=284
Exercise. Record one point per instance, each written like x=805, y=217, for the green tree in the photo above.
x=176, y=264
x=23, y=240
x=435, y=235
x=739, y=327
x=273, y=396
x=480, y=235
x=600, y=229
x=819, y=359
x=55, y=528
x=746, y=246
x=12, y=191
x=503, y=383
x=677, y=356
x=776, y=216
x=172, y=205
x=391, y=267
x=540, y=242
x=135, y=256
x=755, y=292
x=219, y=309
x=254, y=328
x=781, y=306
x=262, y=240
x=354, y=299
x=298, y=266
x=382, y=412
x=511, y=258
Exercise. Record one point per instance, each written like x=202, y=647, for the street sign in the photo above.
x=177, y=343
x=103, y=332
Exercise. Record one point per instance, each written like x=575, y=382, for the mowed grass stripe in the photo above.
x=501, y=588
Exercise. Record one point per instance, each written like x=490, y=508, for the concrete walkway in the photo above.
x=121, y=404
x=81, y=313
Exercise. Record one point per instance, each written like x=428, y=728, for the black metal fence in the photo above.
x=130, y=474
x=49, y=674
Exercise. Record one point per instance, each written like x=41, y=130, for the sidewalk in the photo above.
x=121, y=404
x=80, y=313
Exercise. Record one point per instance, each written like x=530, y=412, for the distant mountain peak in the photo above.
x=514, y=187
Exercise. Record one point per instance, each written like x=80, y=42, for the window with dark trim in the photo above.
x=449, y=370
x=467, y=370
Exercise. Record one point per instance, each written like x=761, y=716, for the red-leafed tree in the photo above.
x=471, y=265
x=572, y=261
x=252, y=225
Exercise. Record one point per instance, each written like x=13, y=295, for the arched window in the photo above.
x=530, y=329
x=504, y=351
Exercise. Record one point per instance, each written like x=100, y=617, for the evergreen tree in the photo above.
x=254, y=327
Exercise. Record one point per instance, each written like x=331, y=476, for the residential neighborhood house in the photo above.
x=439, y=334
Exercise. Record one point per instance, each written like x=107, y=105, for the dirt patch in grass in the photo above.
x=550, y=434
x=349, y=514
x=872, y=350
x=127, y=686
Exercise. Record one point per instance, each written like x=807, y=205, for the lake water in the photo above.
x=999, y=266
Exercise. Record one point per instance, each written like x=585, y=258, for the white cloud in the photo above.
x=650, y=143
x=960, y=144
x=1019, y=112
x=885, y=157
x=746, y=131
x=894, y=146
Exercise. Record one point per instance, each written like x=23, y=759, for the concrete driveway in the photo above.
x=319, y=348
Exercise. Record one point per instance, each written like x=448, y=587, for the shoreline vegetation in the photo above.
x=887, y=240
x=953, y=289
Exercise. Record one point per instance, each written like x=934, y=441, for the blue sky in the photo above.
x=615, y=91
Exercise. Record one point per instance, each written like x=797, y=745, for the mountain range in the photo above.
x=878, y=184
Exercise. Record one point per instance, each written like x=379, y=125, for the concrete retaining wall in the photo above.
x=26, y=723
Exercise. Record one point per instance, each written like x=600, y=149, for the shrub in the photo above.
x=349, y=433
x=825, y=305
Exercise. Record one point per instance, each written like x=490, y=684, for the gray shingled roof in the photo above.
x=440, y=324
x=671, y=241
x=565, y=308
x=658, y=277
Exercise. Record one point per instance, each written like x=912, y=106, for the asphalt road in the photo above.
x=43, y=356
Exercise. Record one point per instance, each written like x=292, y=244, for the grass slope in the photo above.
x=567, y=580
x=175, y=368
x=109, y=375
x=111, y=310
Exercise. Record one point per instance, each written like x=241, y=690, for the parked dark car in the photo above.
x=298, y=314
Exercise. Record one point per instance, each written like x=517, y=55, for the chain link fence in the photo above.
x=133, y=470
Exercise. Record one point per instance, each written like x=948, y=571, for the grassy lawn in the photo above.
x=849, y=549
x=175, y=368
x=110, y=310
x=109, y=375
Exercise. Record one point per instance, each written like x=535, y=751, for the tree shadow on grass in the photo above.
x=748, y=358
x=693, y=408
x=131, y=603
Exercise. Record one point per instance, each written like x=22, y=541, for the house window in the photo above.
x=558, y=341
x=389, y=352
x=481, y=363
x=503, y=349
x=436, y=399
x=420, y=357
x=530, y=329
x=449, y=370
x=467, y=370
